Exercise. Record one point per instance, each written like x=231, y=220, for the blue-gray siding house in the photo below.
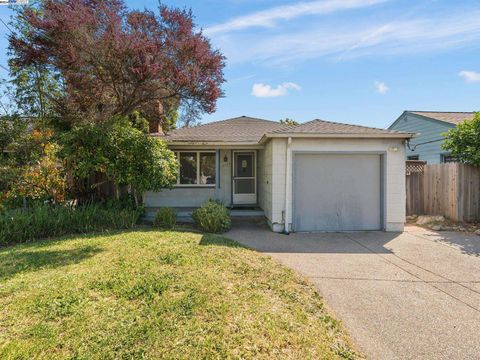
x=429, y=125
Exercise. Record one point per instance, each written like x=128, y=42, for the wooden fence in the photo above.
x=451, y=190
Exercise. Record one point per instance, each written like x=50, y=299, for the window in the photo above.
x=446, y=158
x=197, y=168
x=207, y=168
x=413, y=157
x=188, y=168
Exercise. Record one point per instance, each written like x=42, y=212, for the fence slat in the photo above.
x=451, y=189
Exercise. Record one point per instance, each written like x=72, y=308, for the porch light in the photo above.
x=225, y=158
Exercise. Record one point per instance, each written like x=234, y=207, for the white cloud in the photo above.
x=348, y=40
x=470, y=76
x=381, y=87
x=268, y=18
x=266, y=91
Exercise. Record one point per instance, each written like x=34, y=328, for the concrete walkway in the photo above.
x=414, y=295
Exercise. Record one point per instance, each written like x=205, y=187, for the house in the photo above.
x=429, y=126
x=317, y=176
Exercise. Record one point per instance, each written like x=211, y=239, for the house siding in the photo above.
x=196, y=196
x=265, y=179
x=224, y=193
x=394, y=174
x=178, y=197
x=279, y=151
x=428, y=130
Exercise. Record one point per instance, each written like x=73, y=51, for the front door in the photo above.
x=244, y=178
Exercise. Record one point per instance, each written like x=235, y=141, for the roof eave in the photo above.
x=213, y=143
x=348, y=136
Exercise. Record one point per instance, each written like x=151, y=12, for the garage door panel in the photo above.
x=337, y=192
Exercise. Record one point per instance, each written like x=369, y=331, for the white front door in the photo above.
x=244, y=178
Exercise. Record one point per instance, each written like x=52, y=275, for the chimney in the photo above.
x=155, y=127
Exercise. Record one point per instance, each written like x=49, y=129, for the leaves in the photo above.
x=464, y=141
x=289, y=122
x=33, y=169
x=113, y=61
x=122, y=152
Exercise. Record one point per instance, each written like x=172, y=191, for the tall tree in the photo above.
x=31, y=87
x=113, y=61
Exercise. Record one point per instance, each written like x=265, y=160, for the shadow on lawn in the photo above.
x=218, y=240
x=14, y=262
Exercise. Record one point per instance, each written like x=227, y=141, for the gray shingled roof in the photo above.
x=242, y=129
x=449, y=117
x=250, y=130
x=333, y=128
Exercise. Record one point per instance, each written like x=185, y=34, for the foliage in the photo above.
x=289, y=122
x=32, y=88
x=123, y=153
x=43, y=180
x=32, y=170
x=43, y=220
x=12, y=129
x=212, y=217
x=463, y=141
x=165, y=218
x=114, y=61
x=139, y=294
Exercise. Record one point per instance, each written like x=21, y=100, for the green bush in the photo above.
x=165, y=218
x=212, y=217
x=41, y=221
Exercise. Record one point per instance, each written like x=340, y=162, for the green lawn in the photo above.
x=151, y=294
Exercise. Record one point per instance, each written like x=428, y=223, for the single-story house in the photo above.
x=429, y=127
x=317, y=176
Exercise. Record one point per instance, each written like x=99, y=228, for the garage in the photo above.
x=337, y=192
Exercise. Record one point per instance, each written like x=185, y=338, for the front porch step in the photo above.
x=184, y=215
x=247, y=213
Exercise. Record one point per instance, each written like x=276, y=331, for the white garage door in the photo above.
x=333, y=192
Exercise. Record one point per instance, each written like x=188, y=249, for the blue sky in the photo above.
x=354, y=61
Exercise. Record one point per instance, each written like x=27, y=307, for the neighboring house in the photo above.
x=429, y=126
x=317, y=176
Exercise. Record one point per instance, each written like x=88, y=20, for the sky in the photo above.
x=354, y=61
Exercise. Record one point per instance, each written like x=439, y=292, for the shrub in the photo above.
x=212, y=217
x=165, y=218
x=41, y=221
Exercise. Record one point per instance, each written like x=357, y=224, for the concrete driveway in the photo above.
x=414, y=295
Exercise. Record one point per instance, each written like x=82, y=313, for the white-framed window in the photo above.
x=197, y=168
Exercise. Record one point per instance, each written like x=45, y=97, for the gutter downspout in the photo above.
x=288, y=186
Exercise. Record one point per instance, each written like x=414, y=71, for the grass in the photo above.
x=151, y=294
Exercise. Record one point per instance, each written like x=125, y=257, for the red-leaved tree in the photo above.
x=114, y=61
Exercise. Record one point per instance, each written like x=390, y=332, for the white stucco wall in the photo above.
x=265, y=179
x=394, y=174
x=279, y=153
